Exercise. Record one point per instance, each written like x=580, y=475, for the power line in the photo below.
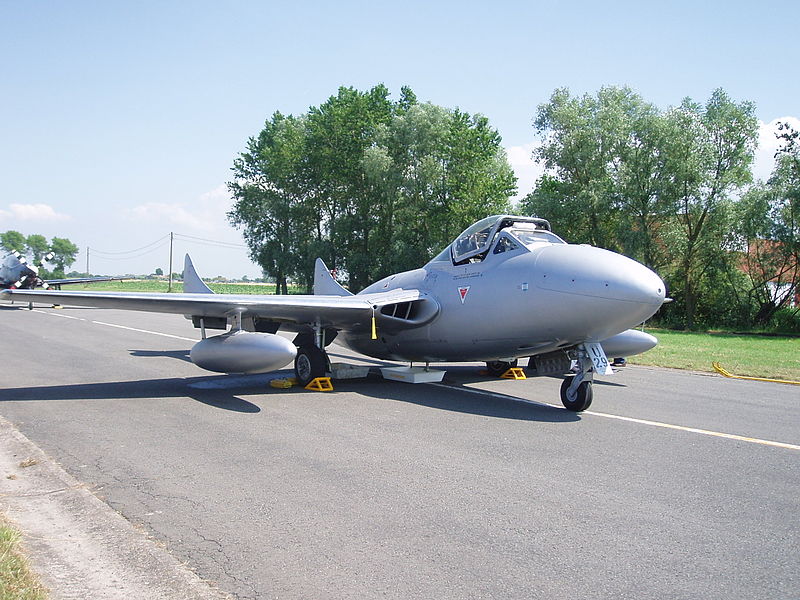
x=160, y=240
x=199, y=240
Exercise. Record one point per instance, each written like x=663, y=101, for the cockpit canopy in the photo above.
x=474, y=243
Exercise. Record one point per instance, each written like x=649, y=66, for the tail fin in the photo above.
x=192, y=284
x=324, y=283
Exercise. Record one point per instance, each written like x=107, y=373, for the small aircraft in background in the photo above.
x=17, y=273
x=506, y=288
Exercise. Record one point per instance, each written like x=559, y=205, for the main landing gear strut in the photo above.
x=311, y=360
x=576, y=390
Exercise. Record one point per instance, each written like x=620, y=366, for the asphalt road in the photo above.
x=391, y=490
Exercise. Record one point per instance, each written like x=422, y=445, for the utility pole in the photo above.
x=87, y=261
x=169, y=289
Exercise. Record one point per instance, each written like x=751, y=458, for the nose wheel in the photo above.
x=579, y=398
x=576, y=390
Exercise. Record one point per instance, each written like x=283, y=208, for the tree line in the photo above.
x=36, y=246
x=375, y=186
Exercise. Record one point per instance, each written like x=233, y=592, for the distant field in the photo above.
x=152, y=285
x=750, y=355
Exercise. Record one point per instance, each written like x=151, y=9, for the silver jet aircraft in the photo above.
x=506, y=288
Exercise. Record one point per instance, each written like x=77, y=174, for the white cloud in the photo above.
x=206, y=215
x=768, y=144
x=32, y=212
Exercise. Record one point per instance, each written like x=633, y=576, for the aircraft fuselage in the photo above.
x=516, y=303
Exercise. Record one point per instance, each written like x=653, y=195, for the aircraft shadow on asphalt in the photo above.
x=225, y=392
x=178, y=387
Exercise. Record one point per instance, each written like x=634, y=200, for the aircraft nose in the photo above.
x=617, y=284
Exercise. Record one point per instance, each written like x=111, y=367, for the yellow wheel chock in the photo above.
x=718, y=368
x=320, y=384
x=283, y=384
x=514, y=373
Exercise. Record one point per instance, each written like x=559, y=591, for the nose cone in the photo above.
x=621, y=292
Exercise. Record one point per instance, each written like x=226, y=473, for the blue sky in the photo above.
x=120, y=121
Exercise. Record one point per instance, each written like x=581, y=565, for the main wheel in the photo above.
x=583, y=395
x=310, y=363
x=498, y=367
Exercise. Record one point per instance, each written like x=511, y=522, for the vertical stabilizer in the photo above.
x=192, y=284
x=324, y=283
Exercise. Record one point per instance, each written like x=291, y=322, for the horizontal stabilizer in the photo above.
x=192, y=284
x=324, y=283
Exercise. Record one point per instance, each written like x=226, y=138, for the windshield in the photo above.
x=534, y=237
x=475, y=241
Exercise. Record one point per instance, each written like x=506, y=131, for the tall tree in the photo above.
x=710, y=152
x=370, y=185
x=64, y=254
x=12, y=240
x=269, y=192
x=37, y=246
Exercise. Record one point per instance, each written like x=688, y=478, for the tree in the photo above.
x=37, y=245
x=13, y=240
x=709, y=154
x=64, y=254
x=368, y=184
x=768, y=225
x=586, y=141
x=159, y=271
x=271, y=197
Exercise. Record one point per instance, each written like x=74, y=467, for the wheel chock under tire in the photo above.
x=320, y=384
x=514, y=373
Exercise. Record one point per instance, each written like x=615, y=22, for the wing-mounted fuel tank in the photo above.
x=243, y=352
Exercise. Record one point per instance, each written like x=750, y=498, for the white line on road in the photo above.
x=55, y=314
x=177, y=337
x=729, y=436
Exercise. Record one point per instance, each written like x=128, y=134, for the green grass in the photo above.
x=154, y=285
x=17, y=581
x=750, y=355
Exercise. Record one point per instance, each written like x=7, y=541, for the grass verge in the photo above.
x=750, y=355
x=17, y=581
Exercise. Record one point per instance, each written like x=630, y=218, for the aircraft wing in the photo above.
x=81, y=280
x=340, y=312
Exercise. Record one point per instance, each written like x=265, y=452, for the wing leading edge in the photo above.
x=340, y=312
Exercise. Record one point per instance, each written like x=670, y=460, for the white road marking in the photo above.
x=177, y=337
x=55, y=314
x=719, y=434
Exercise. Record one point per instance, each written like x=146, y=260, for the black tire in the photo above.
x=583, y=397
x=498, y=367
x=310, y=363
